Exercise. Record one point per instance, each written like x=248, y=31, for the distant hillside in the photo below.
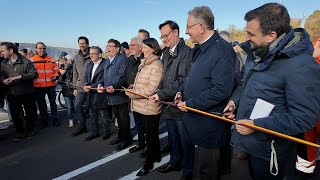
x=53, y=52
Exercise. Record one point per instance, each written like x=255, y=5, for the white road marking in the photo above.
x=100, y=162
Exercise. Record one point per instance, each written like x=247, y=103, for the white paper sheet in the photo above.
x=261, y=109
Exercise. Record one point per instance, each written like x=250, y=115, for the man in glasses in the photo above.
x=209, y=84
x=135, y=49
x=45, y=84
x=176, y=59
x=97, y=103
x=115, y=71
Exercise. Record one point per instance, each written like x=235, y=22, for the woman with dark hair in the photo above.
x=150, y=73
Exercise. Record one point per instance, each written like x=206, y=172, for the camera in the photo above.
x=62, y=66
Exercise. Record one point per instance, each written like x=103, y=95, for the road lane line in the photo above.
x=132, y=176
x=99, y=162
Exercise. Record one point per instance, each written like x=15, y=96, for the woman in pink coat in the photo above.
x=150, y=73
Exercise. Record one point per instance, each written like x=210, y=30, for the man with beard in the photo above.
x=135, y=49
x=45, y=84
x=281, y=81
x=81, y=61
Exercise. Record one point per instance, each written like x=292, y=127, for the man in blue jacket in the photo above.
x=281, y=74
x=114, y=71
x=209, y=84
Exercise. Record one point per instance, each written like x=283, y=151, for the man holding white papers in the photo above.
x=280, y=91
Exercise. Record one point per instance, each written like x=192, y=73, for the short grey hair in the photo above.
x=203, y=14
x=138, y=39
x=99, y=50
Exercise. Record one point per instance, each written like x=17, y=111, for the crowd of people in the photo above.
x=272, y=80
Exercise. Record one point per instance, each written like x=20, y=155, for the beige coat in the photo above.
x=146, y=83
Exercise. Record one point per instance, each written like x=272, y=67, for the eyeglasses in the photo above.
x=133, y=45
x=190, y=26
x=165, y=35
x=41, y=48
x=93, y=53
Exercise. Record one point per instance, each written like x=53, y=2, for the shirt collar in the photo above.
x=112, y=58
x=174, y=48
x=98, y=62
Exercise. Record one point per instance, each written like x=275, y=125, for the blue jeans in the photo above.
x=80, y=100
x=174, y=128
x=69, y=106
x=42, y=104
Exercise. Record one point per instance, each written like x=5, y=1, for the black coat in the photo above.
x=67, y=90
x=175, y=72
x=23, y=67
x=96, y=100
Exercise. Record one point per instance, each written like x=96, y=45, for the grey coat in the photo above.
x=79, y=69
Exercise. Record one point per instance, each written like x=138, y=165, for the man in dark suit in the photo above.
x=97, y=104
x=176, y=58
x=114, y=71
x=209, y=84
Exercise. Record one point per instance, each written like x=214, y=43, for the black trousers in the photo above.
x=29, y=104
x=2, y=96
x=40, y=95
x=152, y=136
x=122, y=114
x=206, y=165
x=140, y=125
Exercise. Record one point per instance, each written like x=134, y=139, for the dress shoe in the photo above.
x=106, y=136
x=165, y=150
x=168, y=168
x=80, y=131
x=122, y=146
x=89, y=138
x=30, y=134
x=136, y=148
x=115, y=141
x=187, y=177
x=18, y=137
x=145, y=169
x=143, y=154
x=225, y=167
